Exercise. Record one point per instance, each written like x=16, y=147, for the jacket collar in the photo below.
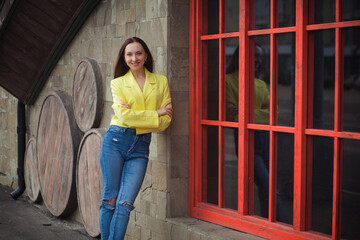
x=150, y=84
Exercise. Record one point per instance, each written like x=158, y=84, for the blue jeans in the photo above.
x=123, y=160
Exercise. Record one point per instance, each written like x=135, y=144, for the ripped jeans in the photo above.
x=123, y=160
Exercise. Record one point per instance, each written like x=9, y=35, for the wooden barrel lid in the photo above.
x=88, y=94
x=31, y=172
x=89, y=181
x=58, y=139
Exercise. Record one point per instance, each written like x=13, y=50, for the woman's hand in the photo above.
x=165, y=110
x=124, y=104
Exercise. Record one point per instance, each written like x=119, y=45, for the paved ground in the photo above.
x=23, y=220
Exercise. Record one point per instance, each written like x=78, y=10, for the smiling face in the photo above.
x=135, y=56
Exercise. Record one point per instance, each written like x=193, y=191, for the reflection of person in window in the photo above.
x=261, y=116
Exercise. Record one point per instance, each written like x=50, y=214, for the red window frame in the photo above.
x=302, y=131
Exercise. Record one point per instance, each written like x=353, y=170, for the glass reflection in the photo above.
x=232, y=79
x=324, y=11
x=212, y=14
x=232, y=16
x=211, y=165
x=351, y=10
x=261, y=96
x=286, y=79
x=211, y=80
x=350, y=216
x=322, y=184
x=231, y=168
x=324, y=79
x=262, y=14
x=286, y=11
x=351, y=117
x=261, y=179
x=285, y=176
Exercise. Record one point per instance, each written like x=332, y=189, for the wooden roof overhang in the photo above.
x=33, y=36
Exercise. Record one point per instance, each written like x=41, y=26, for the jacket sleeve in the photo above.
x=164, y=121
x=129, y=117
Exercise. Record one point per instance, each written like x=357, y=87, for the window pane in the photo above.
x=324, y=11
x=351, y=111
x=262, y=14
x=232, y=16
x=285, y=177
x=261, y=173
x=232, y=79
x=231, y=168
x=261, y=96
x=351, y=10
x=286, y=79
x=212, y=14
x=322, y=184
x=324, y=79
x=350, y=215
x=211, y=80
x=286, y=11
x=211, y=166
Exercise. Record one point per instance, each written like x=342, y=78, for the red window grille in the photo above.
x=314, y=42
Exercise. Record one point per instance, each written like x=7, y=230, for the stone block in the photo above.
x=116, y=44
x=159, y=236
x=179, y=149
x=178, y=197
x=179, y=26
x=120, y=30
x=102, y=15
x=151, y=9
x=162, y=143
x=130, y=29
x=159, y=196
x=195, y=236
x=178, y=83
x=130, y=15
x=145, y=207
x=159, y=27
x=106, y=50
x=4, y=121
x=140, y=10
x=160, y=60
x=163, y=8
x=124, y=4
x=108, y=114
x=179, y=58
x=145, y=32
x=179, y=233
x=179, y=124
x=159, y=176
x=158, y=226
x=110, y=31
x=145, y=233
x=121, y=17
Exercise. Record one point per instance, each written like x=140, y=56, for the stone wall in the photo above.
x=8, y=139
x=163, y=25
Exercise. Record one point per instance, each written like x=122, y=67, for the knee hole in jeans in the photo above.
x=111, y=201
x=129, y=203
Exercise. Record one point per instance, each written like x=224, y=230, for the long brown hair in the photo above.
x=121, y=68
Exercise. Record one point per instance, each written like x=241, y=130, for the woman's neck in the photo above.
x=139, y=74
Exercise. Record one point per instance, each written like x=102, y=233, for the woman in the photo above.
x=142, y=104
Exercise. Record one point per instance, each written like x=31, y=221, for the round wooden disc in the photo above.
x=58, y=139
x=88, y=94
x=31, y=172
x=89, y=181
